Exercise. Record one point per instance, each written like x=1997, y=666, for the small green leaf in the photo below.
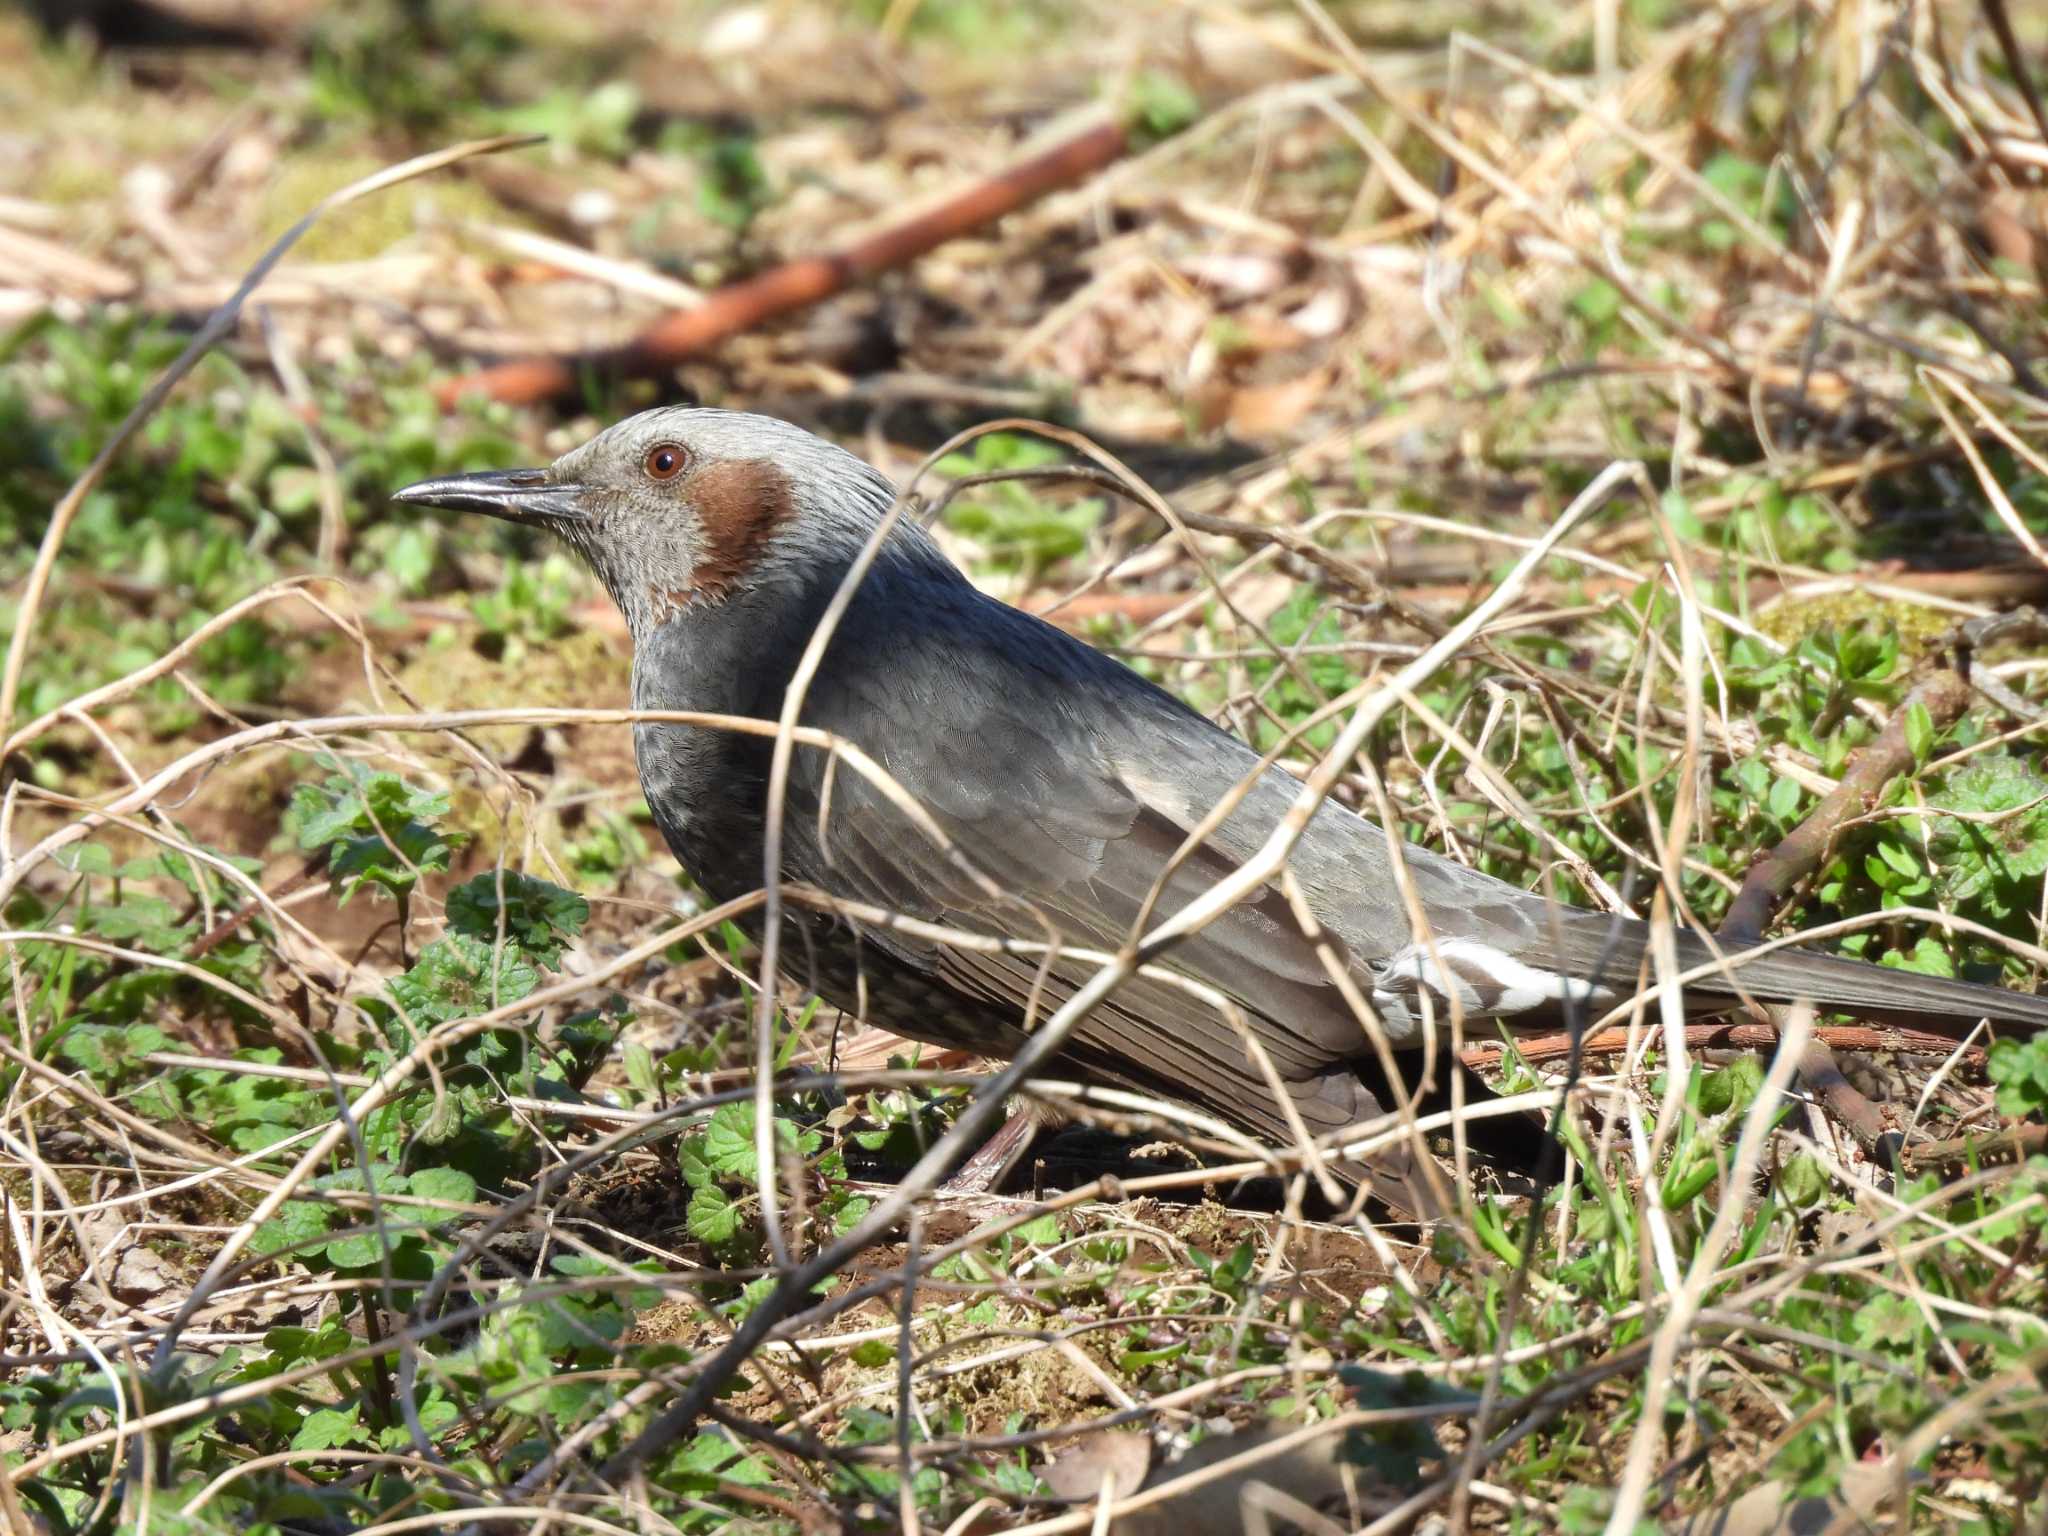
x=1597, y=301
x=640, y=1069
x=729, y=1141
x=1733, y=1087
x=1803, y=1181
x=1899, y=857
x=2019, y=1070
x=409, y=560
x=85, y=859
x=751, y=1295
x=457, y=976
x=145, y=922
x=450, y=1184
x=1491, y=1228
x=377, y=828
x=359, y=1250
x=290, y=1345
x=1927, y=956
x=437, y=1414
x=326, y=1429
x=536, y=915
x=1685, y=522
x=1040, y=1232
x=872, y=1354
x=1919, y=731
x=1888, y=1322
x=848, y=1214
x=1784, y=798
x=1997, y=857
x=1161, y=105
x=295, y=1227
x=713, y=1217
x=1131, y=1361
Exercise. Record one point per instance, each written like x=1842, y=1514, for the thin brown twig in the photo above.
x=1944, y=695
x=2017, y=1142
x=1720, y=1033
x=742, y=306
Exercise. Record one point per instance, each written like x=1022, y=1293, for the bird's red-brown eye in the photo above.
x=664, y=461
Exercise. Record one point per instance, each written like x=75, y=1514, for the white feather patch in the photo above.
x=1487, y=983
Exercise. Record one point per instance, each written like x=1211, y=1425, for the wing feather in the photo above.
x=1070, y=839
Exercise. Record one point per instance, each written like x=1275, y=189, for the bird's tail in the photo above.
x=1613, y=952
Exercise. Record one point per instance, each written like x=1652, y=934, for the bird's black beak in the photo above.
x=517, y=495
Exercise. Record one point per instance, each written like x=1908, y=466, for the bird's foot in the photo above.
x=994, y=1158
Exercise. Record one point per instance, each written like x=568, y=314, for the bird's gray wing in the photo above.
x=1038, y=782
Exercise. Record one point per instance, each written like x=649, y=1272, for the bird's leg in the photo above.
x=994, y=1158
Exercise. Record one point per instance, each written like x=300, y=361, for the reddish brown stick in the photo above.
x=739, y=307
x=1722, y=1034
x=2017, y=1142
x=1770, y=880
x=1945, y=694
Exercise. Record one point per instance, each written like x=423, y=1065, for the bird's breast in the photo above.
x=704, y=783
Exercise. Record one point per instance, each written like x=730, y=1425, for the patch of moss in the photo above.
x=1920, y=628
x=75, y=177
x=577, y=670
x=1210, y=1227
x=1044, y=1386
x=364, y=229
x=1041, y=1386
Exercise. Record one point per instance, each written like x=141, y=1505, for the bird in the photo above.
x=1071, y=789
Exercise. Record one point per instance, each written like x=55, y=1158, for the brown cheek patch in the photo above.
x=740, y=503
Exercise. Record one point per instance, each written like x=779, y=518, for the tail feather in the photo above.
x=1893, y=996
x=1613, y=952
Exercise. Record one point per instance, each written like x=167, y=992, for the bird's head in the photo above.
x=680, y=506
